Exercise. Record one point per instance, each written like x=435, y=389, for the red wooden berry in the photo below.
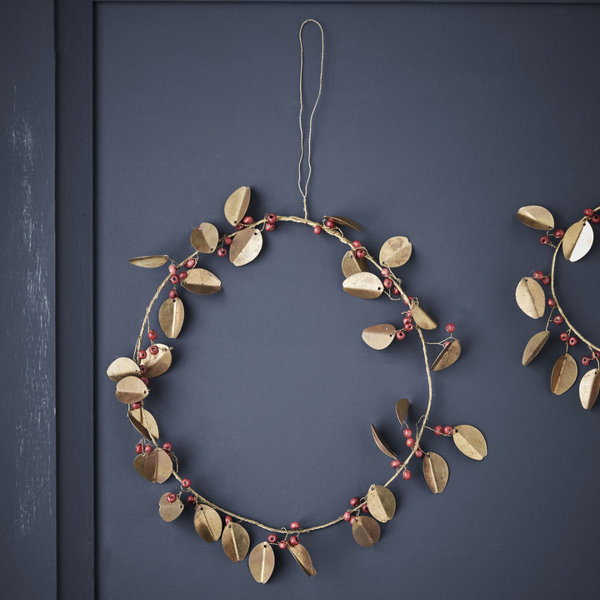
x=185, y=483
x=356, y=244
x=573, y=341
x=588, y=212
x=239, y=226
x=294, y=541
x=347, y=516
x=353, y=520
x=596, y=219
x=364, y=508
x=144, y=380
x=354, y=501
x=143, y=369
x=228, y=241
x=228, y=519
x=190, y=263
x=395, y=464
x=360, y=254
x=270, y=227
x=147, y=448
x=559, y=234
x=142, y=354
x=283, y=545
x=247, y=220
x=221, y=252
x=385, y=272
x=407, y=433
x=448, y=430
x=409, y=313
x=451, y=328
x=173, y=269
x=174, y=279
x=409, y=327
x=139, y=448
x=585, y=361
x=438, y=430
x=410, y=442
x=595, y=355
x=406, y=475
x=329, y=224
x=400, y=335
x=558, y=320
x=317, y=229
x=419, y=453
x=295, y=525
x=136, y=405
x=551, y=302
x=538, y=275
x=564, y=336
x=272, y=539
x=182, y=275
x=544, y=240
x=173, y=294
x=152, y=335
x=153, y=350
x=271, y=218
x=191, y=499
x=168, y=447
x=396, y=291
x=171, y=498
x=387, y=283
x=406, y=320
x=546, y=280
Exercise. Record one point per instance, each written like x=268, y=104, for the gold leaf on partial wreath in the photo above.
x=236, y=542
x=352, y=265
x=381, y=503
x=204, y=238
x=122, y=367
x=422, y=319
x=536, y=217
x=345, y=222
x=578, y=240
x=144, y=422
x=157, y=364
x=246, y=246
x=300, y=553
x=131, y=389
x=159, y=466
x=208, y=523
x=435, y=470
x=589, y=388
x=531, y=298
x=402, y=410
x=237, y=205
x=170, y=317
x=379, y=336
x=366, y=531
x=169, y=511
x=395, y=252
x=534, y=346
x=262, y=562
x=363, y=285
x=470, y=441
x=201, y=282
x=139, y=463
x=149, y=262
x=564, y=374
x=381, y=443
x=448, y=356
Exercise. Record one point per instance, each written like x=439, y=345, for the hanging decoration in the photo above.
x=158, y=462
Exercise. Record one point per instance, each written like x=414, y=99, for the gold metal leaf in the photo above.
x=300, y=553
x=395, y=252
x=363, y=285
x=534, y=346
x=246, y=246
x=158, y=466
x=589, y=388
x=262, y=562
x=139, y=463
x=237, y=205
x=381, y=503
x=236, y=542
x=202, y=282
x=470, y=441
x=170, y=317
x=351, y=264
x=366, y=531
x=564, y=374
x=144, y=422
x=157, y=364
x=537, y=217
x=402, y=410
x=448, y=356
x=205, y=238
x=122, y=367
x=169, y=511
x=131, y=389
x=208, y=523
x=149, y=262
x=422, y=319
x=531, y=298
x=578, y=240
x=435, y=470
x=381, y=443
x=345, y=222
x=379, y=336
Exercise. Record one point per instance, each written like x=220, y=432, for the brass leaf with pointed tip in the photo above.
x=139, y=463
x=589, y=388
x=470, y=441
x=534, y=346
x=395, y=252
x=363, y=285
x=170, y=317
x=262, y=562
x=208, y=523
x=435, y=470
x=352, y=265
x=345, y=222
x=122, y=367
x=201, y=282
x=536, y=217
x=246, y=246
x=381, y=443
x=422, y=319
x=379, y=336
x=158, y=466
x=578, y=240
x=402, y=410
x=149, y=262
x=300, y=553
x=131, y=389
x=205, y=238
x=564, y=374
x=144, y=422
x=381, y=503
x=237, y=205
x=531, y=298
x=366, y=531
x=236, y=542
x=448, y=356
x=157, y=364
x=169, y=511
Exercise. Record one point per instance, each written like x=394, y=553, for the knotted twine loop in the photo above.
x=304, y=191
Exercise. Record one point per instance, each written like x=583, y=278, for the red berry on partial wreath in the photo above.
x=558, y=320
x=173, y=269
x=294, y=541
x=356, y=244
x=546, y=280
x=409, y=327
x=395, y=464
x=142, y=354
x=585, y=361
x=419, y=453
x=272, y=539
x=147, y=448
x=153, y=350
x=406, y=475
x=564, y=337
x=385, y=272
x=271, y=218
x=387, y=283
x=451, y=328
x=182, y=275
x=317, y=229
x=185, y=483
x=353, y=520
x=168, y=447
x=171, y=498
x=595, y=355
x=544, y=240
x=136, y=405
x=152, y=335
x=295, y=525
x=283, y=545
x=139, y=448
x=400, y=335
x=559, y=234
x=360, y=254
x=448, y=430
x=407, y=433
x=247, y=220
x=347, y=516
x=228, y=519
x=410, y=442
x=573, y=341
x=144, y=380
x=354, y=501
x=228, y=241
x=538, y=275
x=173, y=294
x=270, y=227
x=396, y=291
x=174, y=279
x=596, y=219
x=409, y=313
x=239, y=226
x=551, y=303
x=365, y=508
x=143, y=369
x=588, y=212
x=406, y=320
x=329, y=224
x=190, y=263
x=438, y=430
x=221, y=252
x=191, y=499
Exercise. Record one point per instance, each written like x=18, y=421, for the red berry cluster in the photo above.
x=586, y=360
x=539, y=276
x=439, y=430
